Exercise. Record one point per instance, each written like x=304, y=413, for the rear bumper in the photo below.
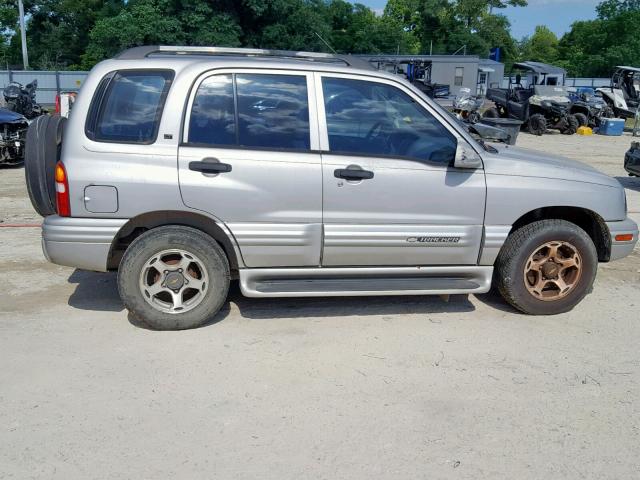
x=82, y=243
x=622, y=249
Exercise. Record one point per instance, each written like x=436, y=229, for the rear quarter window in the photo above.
x=127, y=106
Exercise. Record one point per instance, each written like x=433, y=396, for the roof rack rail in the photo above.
x=138, y=53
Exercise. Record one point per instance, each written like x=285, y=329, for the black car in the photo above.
x=632, y=160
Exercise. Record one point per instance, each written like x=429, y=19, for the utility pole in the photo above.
x=23, y=36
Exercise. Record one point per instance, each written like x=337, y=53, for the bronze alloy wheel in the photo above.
x=552, y=271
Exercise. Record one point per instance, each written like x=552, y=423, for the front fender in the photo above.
x=510, y=197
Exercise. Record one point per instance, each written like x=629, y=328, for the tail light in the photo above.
x=62, y=191
x=58, y=104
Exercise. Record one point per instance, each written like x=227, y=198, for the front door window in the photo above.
x=375, y=119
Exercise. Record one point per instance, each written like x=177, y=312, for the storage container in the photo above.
x=510, y=126
x=613, y=127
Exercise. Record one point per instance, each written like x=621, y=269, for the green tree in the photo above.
x=593, y=48
x=542, y=46
x=612, y=8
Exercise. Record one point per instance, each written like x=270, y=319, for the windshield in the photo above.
x=551, y=91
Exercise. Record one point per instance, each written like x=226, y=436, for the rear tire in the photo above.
x=491, y=113
x=537, y=124
x=583, y=120
x=525, y=289
x=154, y=263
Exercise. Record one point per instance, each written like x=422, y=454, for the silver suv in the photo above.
x=304, y=174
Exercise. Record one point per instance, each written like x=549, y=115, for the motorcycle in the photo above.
x=13, y=131
x=467, y=106
x=22, y=99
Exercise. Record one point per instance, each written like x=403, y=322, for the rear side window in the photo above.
x=251, y=110
x=213, y=118
x=128, y=107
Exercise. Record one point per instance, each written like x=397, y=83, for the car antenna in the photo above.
x=325, y=42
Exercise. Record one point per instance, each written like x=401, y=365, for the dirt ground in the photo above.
x=397, y=388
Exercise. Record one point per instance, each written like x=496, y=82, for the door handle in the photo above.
x=353, y=172
x=208, y=165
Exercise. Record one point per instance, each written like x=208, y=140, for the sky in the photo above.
x=558, y=15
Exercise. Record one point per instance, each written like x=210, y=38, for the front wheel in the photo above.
x=174, y=278
x=474, y=117
x=491, y=113
x=583, y=120
x=572, y=125
x=546, y=267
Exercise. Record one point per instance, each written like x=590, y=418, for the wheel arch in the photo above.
x=588, y=220
x=579, y=109
x=150, y=220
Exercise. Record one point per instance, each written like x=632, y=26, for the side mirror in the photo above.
x=466, y=157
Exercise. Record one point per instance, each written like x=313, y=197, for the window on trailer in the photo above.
x=458, y=82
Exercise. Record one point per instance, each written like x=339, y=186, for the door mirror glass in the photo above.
x=467, y=157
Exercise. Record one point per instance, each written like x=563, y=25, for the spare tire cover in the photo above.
x=42, y=152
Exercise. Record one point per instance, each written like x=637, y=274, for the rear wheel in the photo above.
x=174, y=278
x=537, y=124
x=583, y=120
x=491, y=113
x=572, y=125
x=547, y=267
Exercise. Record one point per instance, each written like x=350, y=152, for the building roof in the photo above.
x=489, y=61
x=540, y=68
x=631, y=69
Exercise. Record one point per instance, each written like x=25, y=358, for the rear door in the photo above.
x=249, y=157
x=392, y=196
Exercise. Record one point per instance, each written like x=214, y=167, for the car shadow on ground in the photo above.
x=631, y=183
x=95, y=291
x=99, y=292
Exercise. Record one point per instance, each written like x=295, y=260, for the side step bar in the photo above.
x=343, y=282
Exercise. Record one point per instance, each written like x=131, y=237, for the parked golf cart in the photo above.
x=588, y=106
x=542, y=104
x=623, y=95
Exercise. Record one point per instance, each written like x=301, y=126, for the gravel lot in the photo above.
x=398, y=388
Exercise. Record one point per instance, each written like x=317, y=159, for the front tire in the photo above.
x=583, y=120
x=174, y=278
x=572, y=125
x=491, y=113
x=546, y=267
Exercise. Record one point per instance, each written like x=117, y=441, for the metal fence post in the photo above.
x=10, y=76
x=57, y=83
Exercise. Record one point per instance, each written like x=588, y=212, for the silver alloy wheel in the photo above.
x=174, y=281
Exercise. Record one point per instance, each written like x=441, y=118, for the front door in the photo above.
x=391, y=194
x=249, y=158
